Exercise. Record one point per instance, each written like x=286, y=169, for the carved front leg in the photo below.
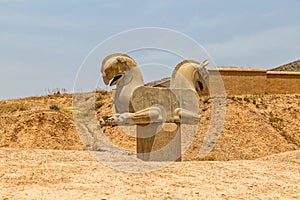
x=109, y=120
x=148, y=115
x=185, y=116
x=145, y=116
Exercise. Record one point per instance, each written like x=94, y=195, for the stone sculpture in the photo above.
x=150, y=108
x=122, y=71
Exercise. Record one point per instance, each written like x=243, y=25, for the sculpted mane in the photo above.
x=117, y=59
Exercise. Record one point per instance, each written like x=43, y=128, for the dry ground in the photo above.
x=57, y=174
x=256, y=157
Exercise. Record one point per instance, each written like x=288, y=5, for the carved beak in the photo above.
x=111, y=75
x=115, y=80
x=114, y=67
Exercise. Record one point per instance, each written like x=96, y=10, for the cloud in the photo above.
x=263, y=49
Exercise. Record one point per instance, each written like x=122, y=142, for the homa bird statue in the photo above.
x=122, y=71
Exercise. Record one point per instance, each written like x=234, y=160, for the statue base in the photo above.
x=154, y=143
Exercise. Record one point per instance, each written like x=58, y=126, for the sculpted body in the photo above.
x=122, y=71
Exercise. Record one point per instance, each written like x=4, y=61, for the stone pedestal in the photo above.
x=154, y=143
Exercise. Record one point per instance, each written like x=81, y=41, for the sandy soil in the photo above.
x=58, y=174
x=256, y=157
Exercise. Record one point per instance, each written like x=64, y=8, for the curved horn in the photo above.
x=204, y=63
x=203, y=71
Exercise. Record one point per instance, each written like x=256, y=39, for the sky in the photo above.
x=44, y=43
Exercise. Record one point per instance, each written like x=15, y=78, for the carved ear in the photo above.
x=204, y=63
x=203, y=71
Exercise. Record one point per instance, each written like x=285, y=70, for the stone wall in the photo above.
x=242, y=81
x=279, y=82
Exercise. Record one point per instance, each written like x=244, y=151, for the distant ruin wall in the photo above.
x=283, y=82
x=239, y=81
x=243, y=81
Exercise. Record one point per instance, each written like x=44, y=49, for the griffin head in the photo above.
x=190, y=74
x=115, y=66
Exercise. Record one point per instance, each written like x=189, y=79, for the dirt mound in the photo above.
x=292, y=67
x=291, y=157
x=248, y=132
x=29, y=123
x=255, y=126
x=40, y=129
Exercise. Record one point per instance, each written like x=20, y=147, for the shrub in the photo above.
x=102, y=92
x=247, y=99
x=56, y=91
x=209, y=157
x=99, y=97
x=22, y=108
x=254, y=100
x=54, y=107
x=99, y=104
x=237, y=98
